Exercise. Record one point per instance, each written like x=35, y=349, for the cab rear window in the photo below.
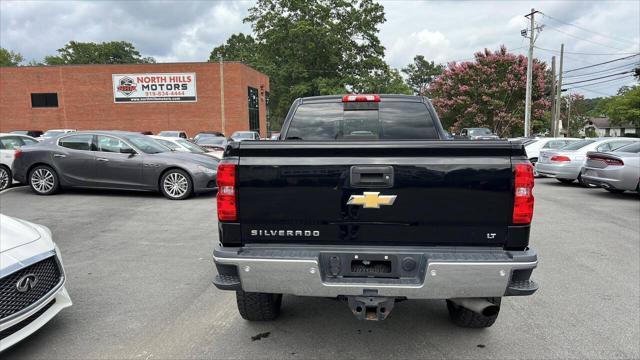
x=362, y=121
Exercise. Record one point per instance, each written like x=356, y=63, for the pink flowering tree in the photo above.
x=489, y=92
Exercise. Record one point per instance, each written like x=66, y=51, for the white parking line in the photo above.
x=11, y=188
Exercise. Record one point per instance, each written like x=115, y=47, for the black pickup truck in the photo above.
x=365, y=198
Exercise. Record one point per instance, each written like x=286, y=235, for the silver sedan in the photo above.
x=566, y=164
x=616, y=171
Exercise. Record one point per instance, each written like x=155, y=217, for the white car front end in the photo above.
x=32, y=280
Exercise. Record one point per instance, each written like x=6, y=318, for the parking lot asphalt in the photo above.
x=139, y=270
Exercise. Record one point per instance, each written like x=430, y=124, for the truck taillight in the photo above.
x=560, y=158
x=361, y=98
x=226, y=179
x=523, y=194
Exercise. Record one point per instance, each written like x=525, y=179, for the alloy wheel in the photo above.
x=4, y=179
x=42, y=180
x=175, y=185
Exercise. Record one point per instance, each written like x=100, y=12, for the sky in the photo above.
x=592, y=31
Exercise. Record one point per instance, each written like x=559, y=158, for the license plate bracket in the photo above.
x=368, y=265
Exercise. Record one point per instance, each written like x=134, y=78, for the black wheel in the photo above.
x=464, y=317
x=43, y=180
x=5, y=178
x=258, y=306
x=615, y=191
x=176, y=184
x=565, y=181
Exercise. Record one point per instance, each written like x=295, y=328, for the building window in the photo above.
x=44, y=100
x=254, y=112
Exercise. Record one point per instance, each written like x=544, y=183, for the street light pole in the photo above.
x=559, y=94
x=553, y=96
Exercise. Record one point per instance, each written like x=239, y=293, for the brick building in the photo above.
x=136, y=97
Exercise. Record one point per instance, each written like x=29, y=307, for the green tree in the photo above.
x=490, y=92
x=385, y=81
x=113, y=52
x=421, y=73
x=313, y=47
x=239, y=47
x=624, y=108
x=575, y=108
x=10, y=58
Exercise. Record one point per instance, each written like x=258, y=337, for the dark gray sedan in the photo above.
x=113, y=160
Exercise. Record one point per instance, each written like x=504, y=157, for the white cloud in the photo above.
x=433, y=44
x=168, y=31
x=441, y=31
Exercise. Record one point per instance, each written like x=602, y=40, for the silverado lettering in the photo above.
x=285, y=233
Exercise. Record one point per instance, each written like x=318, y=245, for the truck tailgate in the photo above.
x=446, y=192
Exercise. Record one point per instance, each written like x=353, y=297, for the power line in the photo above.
x=591, y=90
x=602, y=77
x=633, y=65
x=605, y=83
x=588, y=30
x=583, y=39
x=581, y=53
x=473, y=58
x=602, y=63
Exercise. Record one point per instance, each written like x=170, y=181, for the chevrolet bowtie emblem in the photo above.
x=371, y=200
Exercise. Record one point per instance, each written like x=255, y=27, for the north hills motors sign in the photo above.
x=128, y=88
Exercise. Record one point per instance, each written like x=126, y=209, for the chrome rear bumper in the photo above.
x=440, y=273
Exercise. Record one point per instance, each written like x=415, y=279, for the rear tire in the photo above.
x=5, y=177
x=258, y=306
x=565, y=181
x=43, y=180
x=464, y=317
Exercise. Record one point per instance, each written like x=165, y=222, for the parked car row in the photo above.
x=236, y=136
x=108, y=160
x=610, y=163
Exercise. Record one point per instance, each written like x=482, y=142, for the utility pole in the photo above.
x=527, y=105
x=569, y=115
x=559, y=91
x=553, y=96
x=222, y=119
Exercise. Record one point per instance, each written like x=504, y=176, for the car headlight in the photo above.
x=207, y=170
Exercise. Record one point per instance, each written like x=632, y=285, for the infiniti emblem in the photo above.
x=26, y=283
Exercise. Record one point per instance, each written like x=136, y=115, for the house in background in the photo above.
x=604, y=128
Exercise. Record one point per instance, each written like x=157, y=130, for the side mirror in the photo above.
x=128, y=150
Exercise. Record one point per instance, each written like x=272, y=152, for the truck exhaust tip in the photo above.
x=478, y=305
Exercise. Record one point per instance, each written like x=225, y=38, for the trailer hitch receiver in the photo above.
x=371, y=307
